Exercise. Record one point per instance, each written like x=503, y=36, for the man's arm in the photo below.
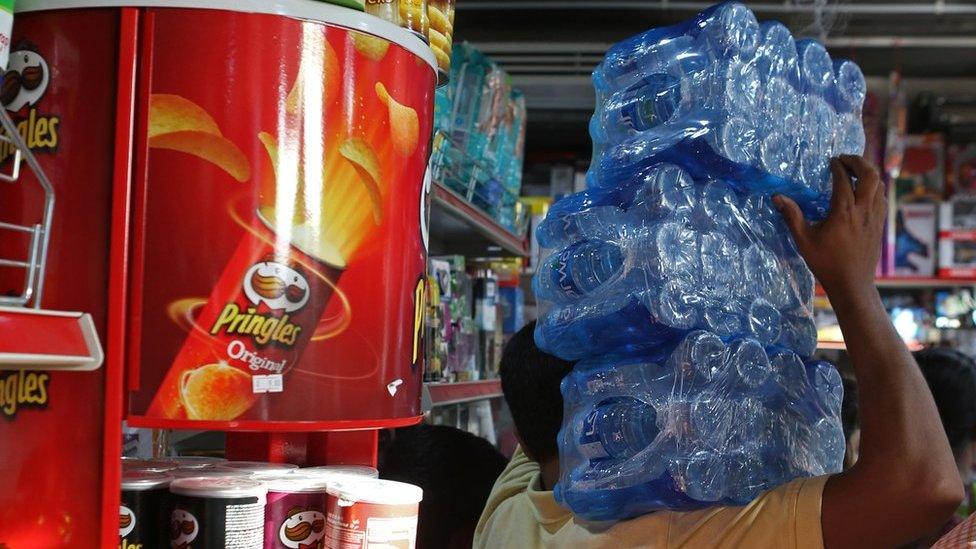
x=905, y=483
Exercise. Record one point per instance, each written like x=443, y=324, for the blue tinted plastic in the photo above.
x=674, y=282
x=727, y=98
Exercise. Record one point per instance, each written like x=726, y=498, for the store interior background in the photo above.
x=550, y=47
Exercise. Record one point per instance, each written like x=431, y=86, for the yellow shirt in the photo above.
x=519, y=515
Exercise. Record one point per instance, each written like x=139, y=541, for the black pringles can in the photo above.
x=144, y=510
x=217, y=513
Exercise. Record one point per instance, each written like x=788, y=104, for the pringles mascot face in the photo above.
x=303, y=529
x=183, y=529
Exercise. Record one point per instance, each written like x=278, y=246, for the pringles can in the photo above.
x=287, y=289
x=294, y=517
x=372, y=513
x=338, y=472
x=217, y=512
x=413, y=16
x=260, y=316
x=261, y=469
x=143, y=510
x=387, y=10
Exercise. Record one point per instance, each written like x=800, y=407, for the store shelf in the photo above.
x=841, y=346
x=444, y=394
x=36, y=339
x=923, y=282
x=458, y=227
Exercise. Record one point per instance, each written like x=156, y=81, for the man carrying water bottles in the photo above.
x=903, y=487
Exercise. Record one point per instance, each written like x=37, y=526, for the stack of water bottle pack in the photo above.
x=675, y=284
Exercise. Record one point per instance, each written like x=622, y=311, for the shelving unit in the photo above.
x=841, y=346
x=469, y=230
x=446, y=394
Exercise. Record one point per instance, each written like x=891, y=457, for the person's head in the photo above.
x=455, y=469
x=530, y=382
x=951, y=377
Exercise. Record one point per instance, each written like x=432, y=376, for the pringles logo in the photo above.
x=183, y=529
x=269, y=286
x=22, y=389
x=24, y=84
x=303, y=529
x=127, y=523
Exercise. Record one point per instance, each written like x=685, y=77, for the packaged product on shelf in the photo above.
x=511, y=300
x=482, y=121
x=957, y=254
x=384, y=9
x=372, y=513
x=413, y=16
x=440, y=13
x=143, y=511
x=294, y=515
x=958, y=213
x=261, y=469
x=217, y=512
x=339, y=471
x=962, y=169
x=359, y=5
x=913, y=207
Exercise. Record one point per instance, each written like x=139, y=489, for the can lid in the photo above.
x=296, y=482
x=190, y=462
x=371, y=490
x=208, y=487
x=139, y=464
x=330, y=471
x=144, y=480
x=261, y=469
x=215, y=471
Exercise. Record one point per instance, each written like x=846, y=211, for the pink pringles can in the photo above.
x=294, y=516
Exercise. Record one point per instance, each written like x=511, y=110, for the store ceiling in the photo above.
x=551, y=46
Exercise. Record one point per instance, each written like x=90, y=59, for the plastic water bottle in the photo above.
x=816, y=68
x=650, y=102
x=579, y=270
x=675, y=282
x=618, y=429
x=851, y=88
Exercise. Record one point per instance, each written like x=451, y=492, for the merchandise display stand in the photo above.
x=118, y=244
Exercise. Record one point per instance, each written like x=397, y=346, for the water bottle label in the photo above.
x=563, y=278
x=589, y=443
x=649, y=103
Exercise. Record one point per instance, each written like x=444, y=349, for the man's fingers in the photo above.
x=843, y=194
x=868, y=180
x=794, y=218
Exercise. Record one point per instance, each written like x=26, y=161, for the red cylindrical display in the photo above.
x=281, y=268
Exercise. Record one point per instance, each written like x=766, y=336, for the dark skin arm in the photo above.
x=905, y=483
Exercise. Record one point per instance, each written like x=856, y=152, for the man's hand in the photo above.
x=843, y=250
x=905, y=483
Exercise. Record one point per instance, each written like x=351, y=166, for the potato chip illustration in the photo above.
x=305, y=87
x=207, y=146
x=404, y=123
x=172, y=113
x=438, y=40
x=362, y=157
x=438, y=20
x=216, y=392
x=371, y=47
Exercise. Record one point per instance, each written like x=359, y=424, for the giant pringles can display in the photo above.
x=279, y=255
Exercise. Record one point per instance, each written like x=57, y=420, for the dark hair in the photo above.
x=951, y=377
x=455, y=469
x=530, y=381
